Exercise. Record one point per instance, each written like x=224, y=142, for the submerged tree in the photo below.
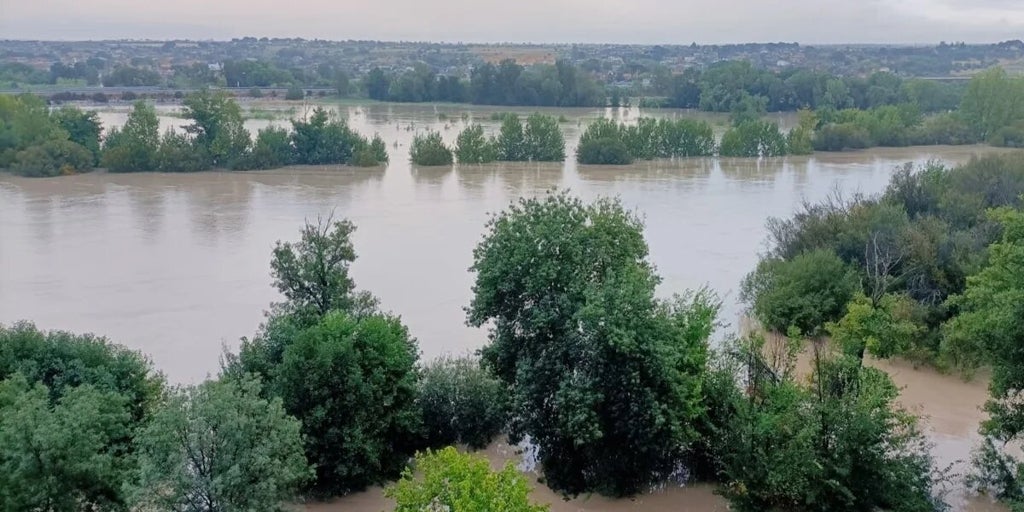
x=605, y=379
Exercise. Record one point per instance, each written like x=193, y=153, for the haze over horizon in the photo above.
x=540, y=21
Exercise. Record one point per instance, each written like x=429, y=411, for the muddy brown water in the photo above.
x=177, y=265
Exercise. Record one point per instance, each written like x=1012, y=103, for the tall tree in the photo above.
x=219, y=447
x=605, y=379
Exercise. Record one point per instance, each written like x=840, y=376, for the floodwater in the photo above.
x=177, y=265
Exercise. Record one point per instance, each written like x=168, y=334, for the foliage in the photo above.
x=472, y=147
x=606, y=151
x=753, y=139
x=294, y=93
x=128, y=76
x=839, y=442
x=60, y=455
x=604, y=378
x=321, y=140
x=429, y=149
x=68, y=406
x=800, y=140
x=219, y=446
x=607, y=142
x=511, y=142
x=179, y=153
x=884, y=330
x=52, y=158
x=352, y=383
x=134, y=146
x=462, y=403
x=83, y=128
x=805, y=292
x=543, y=140
x=217, y=126
x=456, y=482
x=993, y=100
x=272, y=149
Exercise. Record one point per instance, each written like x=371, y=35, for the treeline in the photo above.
x=930, y=270
x=723, y=86
x=507, y=83
x=614, y=387
x=539, y=140
x=35, y=141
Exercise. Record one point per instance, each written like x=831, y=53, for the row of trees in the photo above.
x=616, y=389
x=929, y=270
x=35, y=141
x=538, y=140
x=506, y=83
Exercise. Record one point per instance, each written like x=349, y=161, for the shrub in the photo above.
x=272, y=149
x=543, y=140
x=352, y=383
x=462, y=403
x=472, y=147
x=179, y=153
x=805, y=292
x=841, y=137
x=753, y=139
x=294, y=93
x=456, y=482
x=511, y=142
x=429, y=149
x=52, y=158
x=606, y=151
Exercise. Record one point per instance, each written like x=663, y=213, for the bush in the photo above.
x=295, y=93
x=455, y=482
x=511, y=142
x=322, y=140
x=133, y=148
x=179, y=153
x=753, y=139
x=543, y=140
x=841, y=137
x=352, y=383
x=251, y=451
x=840, y=442
x=272, y=149
x=805, y=292
x=943, y=129
x=606, y=151
x=472, y=147
x=52, y=158
x=462, y=403
x=429, y=150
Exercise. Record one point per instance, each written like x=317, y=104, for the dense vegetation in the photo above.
x=607, y=142
x=908, y=250
x=539, y=140
x=36, y=141
x=614, y=388
x=507, y=83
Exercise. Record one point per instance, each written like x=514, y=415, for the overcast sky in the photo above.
x=622, y=21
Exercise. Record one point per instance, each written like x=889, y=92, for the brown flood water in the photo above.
x=177, y=266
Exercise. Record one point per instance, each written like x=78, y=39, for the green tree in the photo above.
x=352, y=383
x=179, y=153
x=511, y=141
x=605, y=379
x=83, y=128
x=543, y=140
x=429, y=149
x=800, y=140
x=321, y=140
x=52, y=158
x=991, y=324
x=217, y=126
x=462, y=403
x=472, y=147
x=993, y=100
x=456, y=482
x=295, y=93
x=883, y=330
x=58, y=455
x=377, y=84
x=218, y=446
x=805, y=292
x=342, y=83
x=272, y=149
x=753, y=139
x=134, y=146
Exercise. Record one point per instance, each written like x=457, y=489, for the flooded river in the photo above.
x=177, y=266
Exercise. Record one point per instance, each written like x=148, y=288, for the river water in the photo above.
x=177, y=265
